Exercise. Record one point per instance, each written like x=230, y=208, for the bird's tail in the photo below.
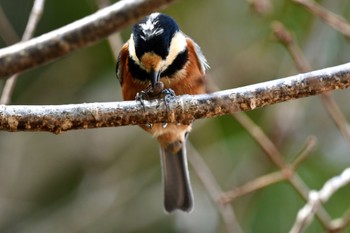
x=176, y=180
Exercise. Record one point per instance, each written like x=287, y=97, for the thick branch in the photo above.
x=81, y=33
x=183, y=109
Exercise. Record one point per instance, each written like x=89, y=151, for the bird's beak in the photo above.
x=154, y=78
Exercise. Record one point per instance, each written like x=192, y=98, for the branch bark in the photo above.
x=81, y=33
x=182, y=109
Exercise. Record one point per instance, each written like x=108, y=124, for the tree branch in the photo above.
x=335, y=21
x=214, y=190
x=317, y=198
x=7, y=33
x=286, y=38
x=81, y=33
x=182, y=109
x=34, y=18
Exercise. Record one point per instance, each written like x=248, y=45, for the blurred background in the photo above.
x=109, y=180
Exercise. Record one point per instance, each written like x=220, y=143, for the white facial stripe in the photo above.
x=178, y=44
x=132, y=51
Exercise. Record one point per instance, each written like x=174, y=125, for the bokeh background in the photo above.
x=109, y=180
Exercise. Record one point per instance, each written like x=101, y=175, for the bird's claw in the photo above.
x=168, y=96
x=158, y=90
x=141, y=97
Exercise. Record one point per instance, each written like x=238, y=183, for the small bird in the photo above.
x=159, y=57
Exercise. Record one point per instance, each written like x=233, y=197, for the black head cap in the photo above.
x=154, y=34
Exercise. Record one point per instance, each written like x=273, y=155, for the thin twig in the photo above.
x=115, y=41
x=273, y=153
x=33, y=20
x=261, y=138
x=340, y=224
x=182, y=109
x=287, y=39
x=337, y=115
x=335, y=21
x=79, y=34
x=305, y=152
x=7, y=32
x=214, y=190
x=272, y=178
x=317, y=198
x=252, y=186
x=35, y=16
x=261, y=7
x=302, y=65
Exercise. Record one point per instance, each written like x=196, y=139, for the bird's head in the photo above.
x=155, y=43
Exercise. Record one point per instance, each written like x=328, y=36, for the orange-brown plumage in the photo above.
x=159, y=52
x=189, y=81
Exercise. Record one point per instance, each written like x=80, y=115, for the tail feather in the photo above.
x=176, y=180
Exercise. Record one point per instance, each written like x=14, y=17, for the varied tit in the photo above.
x=159, y=53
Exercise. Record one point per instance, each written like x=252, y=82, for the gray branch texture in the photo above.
x=86, y=31
x=182, y=109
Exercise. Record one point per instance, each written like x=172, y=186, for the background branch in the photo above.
x=335, y=21
x=79, y=34
x=286, y=172
x=302, y=65
x=33, y=20
x=317, y=198
x=7, y=33
x=286, y=38
x=214, y=190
